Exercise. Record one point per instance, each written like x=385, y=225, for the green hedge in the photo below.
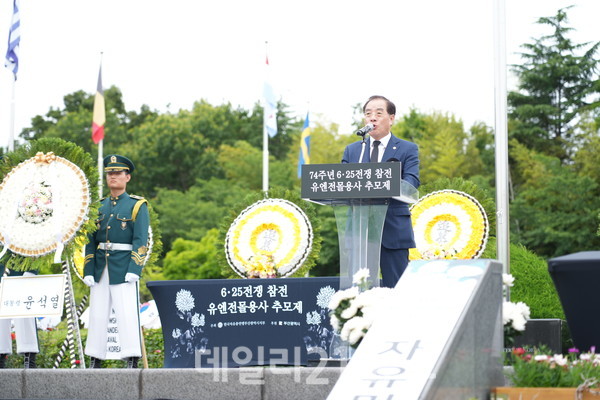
x=533, y=284
x=51, y=342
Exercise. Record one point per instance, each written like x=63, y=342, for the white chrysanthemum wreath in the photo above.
x=43, y=203
x=448, y=224
x=271, y=238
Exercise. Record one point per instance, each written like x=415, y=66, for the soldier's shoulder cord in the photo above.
x=138, y=204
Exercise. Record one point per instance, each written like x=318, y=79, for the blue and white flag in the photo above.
x=270, y=107
x=14, y=40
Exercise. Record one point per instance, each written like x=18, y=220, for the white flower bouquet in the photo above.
x=353, y=310
x=514, y=315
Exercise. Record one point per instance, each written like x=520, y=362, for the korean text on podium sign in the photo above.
x=353, y=180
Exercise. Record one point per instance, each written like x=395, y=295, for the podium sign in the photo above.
x=323, y=182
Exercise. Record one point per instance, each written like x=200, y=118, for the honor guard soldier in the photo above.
x=114, y=258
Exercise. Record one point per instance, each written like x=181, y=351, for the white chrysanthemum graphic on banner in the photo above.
x=198, y=320
x=324, y=296
x=184, y=301
x=313, y=318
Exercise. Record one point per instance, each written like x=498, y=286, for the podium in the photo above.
x=359, y=194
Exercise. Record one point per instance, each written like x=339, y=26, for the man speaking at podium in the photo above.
x=382, y=146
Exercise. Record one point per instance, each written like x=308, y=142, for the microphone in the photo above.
x=364, y=130
x=393, y=160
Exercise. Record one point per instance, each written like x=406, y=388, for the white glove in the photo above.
x=89, y=280
x=129, y=277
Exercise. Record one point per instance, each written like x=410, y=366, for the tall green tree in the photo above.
x=446, y=150
x=558, y=81
x=191, y=214
x=74, y=121
x=554, y=211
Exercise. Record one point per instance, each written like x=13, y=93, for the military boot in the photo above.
x=95, y=362
x=29, y=361
x=132, y=362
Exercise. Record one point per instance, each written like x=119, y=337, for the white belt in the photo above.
x=115, y=246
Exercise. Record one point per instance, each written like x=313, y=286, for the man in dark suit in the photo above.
x=382, y=146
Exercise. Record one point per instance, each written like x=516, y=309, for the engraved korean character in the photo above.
x=28, y=302
x=232, y=307
x=298, y=306
x=42, y=301
x=263, y=305
x=212, y=308
x=276, y=306
x=222, y=307
x=282, y=290
x=252, y=306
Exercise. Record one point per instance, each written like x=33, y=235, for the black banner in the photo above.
x=245, y=322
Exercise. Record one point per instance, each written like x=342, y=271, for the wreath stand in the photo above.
x=73, y=331
x=37, y=184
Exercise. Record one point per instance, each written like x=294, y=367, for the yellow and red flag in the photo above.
x=99, y=117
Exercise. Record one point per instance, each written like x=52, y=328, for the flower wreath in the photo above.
x=45, y=202
x=270, y=238
x=448, y=224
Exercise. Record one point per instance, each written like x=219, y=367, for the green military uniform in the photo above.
x=115, y=254
x=122, y=220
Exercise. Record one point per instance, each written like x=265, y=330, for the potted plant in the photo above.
x=540, y=375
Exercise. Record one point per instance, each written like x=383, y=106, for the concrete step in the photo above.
x=253, y=383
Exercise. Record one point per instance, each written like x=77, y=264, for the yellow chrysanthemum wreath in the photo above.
x=448, y=224
x=271, y=238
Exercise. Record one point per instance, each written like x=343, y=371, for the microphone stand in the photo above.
x=362, y=151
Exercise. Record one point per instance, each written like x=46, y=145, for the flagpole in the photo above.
x=265, y=174
x=11, y=131
x=100, y=157
x=265, y=155
x=501, y=138
x=100, y=151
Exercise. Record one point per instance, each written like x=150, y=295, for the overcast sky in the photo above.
x=325, y=55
